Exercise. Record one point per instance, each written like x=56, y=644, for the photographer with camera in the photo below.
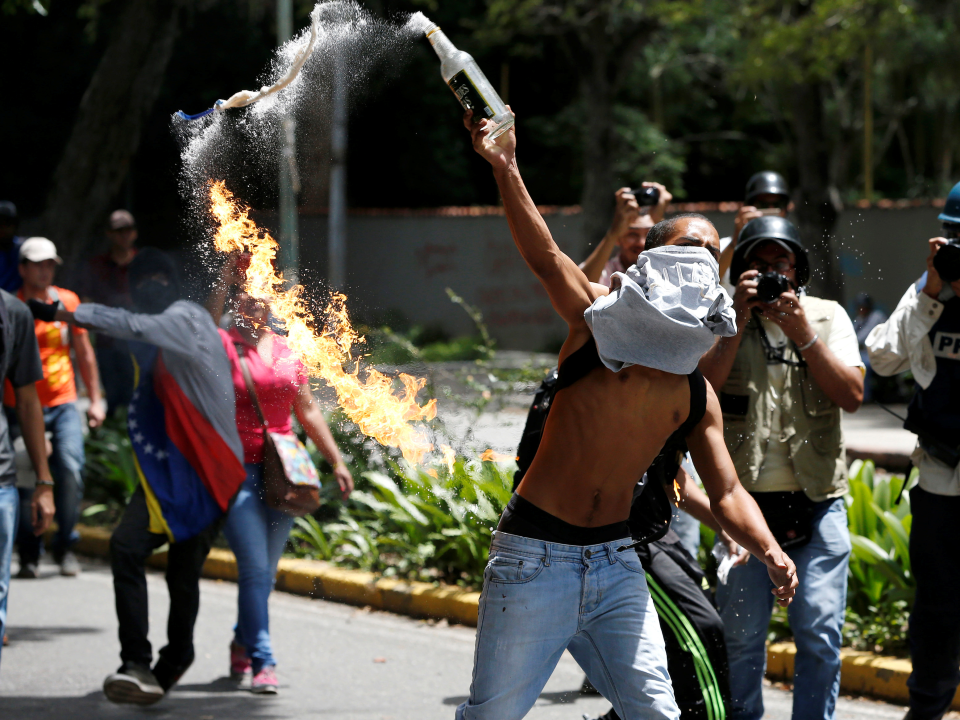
x=923, y=336
x=766, y=194
x=783, y=380
x=637, y=211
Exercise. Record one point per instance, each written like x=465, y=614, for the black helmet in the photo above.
x=769, y=227
x=8, y=211
x=766, y=183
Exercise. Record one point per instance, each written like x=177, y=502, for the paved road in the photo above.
x=336, y=661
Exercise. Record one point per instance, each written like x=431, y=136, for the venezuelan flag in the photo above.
x=186, y=468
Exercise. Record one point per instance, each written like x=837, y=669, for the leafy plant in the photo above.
x=419, y=523
x=881, y=587
x=111, y=471
x=392, y=346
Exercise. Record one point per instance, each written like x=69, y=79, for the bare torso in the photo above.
x=601, y=435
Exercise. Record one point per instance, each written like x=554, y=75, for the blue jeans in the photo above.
x=9, y=508
x=816, y=618
x=66, y=465
x=257, y=535
x=540, y=599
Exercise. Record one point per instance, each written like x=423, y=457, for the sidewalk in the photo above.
x=874, y=434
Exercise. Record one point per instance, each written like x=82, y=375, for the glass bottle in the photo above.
x=469, y=84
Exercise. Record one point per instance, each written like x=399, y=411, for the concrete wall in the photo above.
x=404, y=261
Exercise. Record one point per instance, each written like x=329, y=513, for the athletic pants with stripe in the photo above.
x=692, y=631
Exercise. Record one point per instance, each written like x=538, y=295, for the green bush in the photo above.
x=421, y=524
x=110, y=474
x=881, y=587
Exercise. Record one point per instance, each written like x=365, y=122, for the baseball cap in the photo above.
x=38, y=249
x=121, y=219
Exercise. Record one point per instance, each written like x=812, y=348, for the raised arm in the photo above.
x=900, y=342
x=177, y=329
x=569, y=290
x=229, y=276
x=732, y=506
x=627, y=211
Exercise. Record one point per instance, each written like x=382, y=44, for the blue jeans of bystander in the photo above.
x=257, y=535
x=542, y=598
x=816, y=618
x=9, y=508
x=65, y=425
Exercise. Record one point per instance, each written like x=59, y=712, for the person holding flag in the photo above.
x=182, y=424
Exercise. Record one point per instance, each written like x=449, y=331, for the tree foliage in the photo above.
x=695, y=93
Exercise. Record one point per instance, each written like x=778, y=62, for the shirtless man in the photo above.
x=561, y=574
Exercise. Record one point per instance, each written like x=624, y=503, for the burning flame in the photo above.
x=449, y=456
x=370, y=402
x=490, y=455
x=676, y=492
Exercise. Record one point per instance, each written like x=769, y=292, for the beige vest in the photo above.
x=810, y=420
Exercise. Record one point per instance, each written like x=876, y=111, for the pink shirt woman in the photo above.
x=277, y=376
x=258, y=533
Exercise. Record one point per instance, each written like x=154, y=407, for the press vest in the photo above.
x=810, y=420
x=937, y=407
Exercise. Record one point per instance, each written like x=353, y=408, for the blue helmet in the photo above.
x=951, y=208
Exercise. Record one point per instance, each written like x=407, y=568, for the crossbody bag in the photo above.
x=290, y=480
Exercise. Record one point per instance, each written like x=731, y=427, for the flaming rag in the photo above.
x=300, y=47
x=182, y=418
x=664, y=312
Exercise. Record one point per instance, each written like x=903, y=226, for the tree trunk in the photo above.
x=597, y=200
x=106, y=132
x=817, y=211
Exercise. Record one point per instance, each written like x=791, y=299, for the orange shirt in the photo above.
x=58, y=385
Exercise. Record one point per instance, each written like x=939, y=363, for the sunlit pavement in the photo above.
x=335, y=661
x=870, y=429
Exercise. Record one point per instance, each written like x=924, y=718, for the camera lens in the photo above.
x=771, y=285
x=646, y=196
x=947, y=261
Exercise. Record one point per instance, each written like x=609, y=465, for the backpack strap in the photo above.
x=698, y=403
x=578, y=364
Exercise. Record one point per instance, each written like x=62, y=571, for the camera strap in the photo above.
x=774, y=355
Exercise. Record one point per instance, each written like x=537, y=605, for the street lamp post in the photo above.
x=289, y=177
x=337, y=220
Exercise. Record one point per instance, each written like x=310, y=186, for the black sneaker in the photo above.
x=132, y=684
x=29, y=570
x=168, y=674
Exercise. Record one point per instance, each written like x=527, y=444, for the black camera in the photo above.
x=771, y=285
x=947, y=260
x=646, y=196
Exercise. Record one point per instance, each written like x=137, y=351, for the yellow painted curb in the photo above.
x=860, y=672
x=321, y=580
